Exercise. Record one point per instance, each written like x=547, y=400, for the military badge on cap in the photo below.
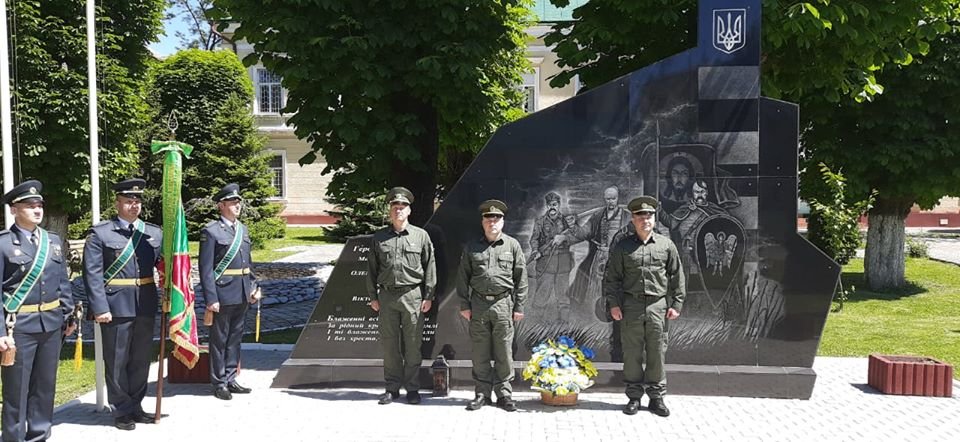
x=643, y=204
x=400, y=195
x=132, y=188
x=229, y=192
x=493, y=207
x=27, y=190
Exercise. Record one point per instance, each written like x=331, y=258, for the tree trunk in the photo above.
x=884, y=258
x=421, y=177
x=56, y=221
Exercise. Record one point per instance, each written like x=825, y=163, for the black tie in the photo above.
x=130, y=228
x=33, y=239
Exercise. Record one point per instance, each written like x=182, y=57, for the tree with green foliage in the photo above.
x=904, y=144
x=49, y=85
x=812, y=52
x=388, y=92
x=211, y=95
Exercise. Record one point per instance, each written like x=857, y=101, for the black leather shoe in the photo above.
x=237, y=388
x=507, y=404
x=413, y=397
x=125, y=423
x=142, y=417
x=222, y=393
x=632, y=407
x=478, y=402
x=388, y=397
x=658, y=408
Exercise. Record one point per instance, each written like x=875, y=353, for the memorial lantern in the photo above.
x=441, y=376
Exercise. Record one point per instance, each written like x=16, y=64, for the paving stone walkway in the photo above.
x=842, y=407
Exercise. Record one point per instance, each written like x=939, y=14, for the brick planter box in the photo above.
x=910, y=375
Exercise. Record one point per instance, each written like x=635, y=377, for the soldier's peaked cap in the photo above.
x=400, y=194
x=229, y=192
x=493, y=207
x=27, y=190
x=132, y=188
x=643, y=204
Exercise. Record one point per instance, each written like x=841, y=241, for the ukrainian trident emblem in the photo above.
x=728, y=29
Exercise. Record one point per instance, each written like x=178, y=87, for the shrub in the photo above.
x=834, y=224
x=917, y=248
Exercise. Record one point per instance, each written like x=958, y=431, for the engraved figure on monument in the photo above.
x=551, y=252
x=601, y=226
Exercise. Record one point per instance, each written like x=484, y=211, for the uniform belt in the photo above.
x=401, y=288
x=493, y=297
x=34, y=308
x=236, y=272
x=131, y=282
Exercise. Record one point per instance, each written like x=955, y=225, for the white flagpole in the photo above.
x=94, y=185
x=7, y=126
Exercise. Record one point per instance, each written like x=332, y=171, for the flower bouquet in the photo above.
x=559, y=370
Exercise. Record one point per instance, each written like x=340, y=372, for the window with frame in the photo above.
x=277, y=165
x=530, y=91
x=269, y=92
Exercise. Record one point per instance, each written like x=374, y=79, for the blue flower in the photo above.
x=567, y=342
x=588, y=353
x=539, y=348
x=544, y=363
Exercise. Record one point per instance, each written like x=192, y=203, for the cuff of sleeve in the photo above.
x=517, y=308
x=612, y=302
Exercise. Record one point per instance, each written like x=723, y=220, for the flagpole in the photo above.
x=94, y=131
x=163, y=343
x=6, y=128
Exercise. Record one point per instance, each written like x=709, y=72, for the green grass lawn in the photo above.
x=296, y=236
x=921, y=319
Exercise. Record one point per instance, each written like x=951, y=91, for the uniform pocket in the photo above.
x=224, y=281
x=411, y=254
x=505, y=261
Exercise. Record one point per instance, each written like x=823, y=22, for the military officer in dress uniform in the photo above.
x=229, y=286
x=37, y=299
x=401, y=278
x=492, y=286
x=118, y=262
x=644, y=287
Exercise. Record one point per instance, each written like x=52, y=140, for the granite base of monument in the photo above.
x=687, y=380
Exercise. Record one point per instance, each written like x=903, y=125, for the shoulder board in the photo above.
x=103, y=223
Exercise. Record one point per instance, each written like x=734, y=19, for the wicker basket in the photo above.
x=557, y=400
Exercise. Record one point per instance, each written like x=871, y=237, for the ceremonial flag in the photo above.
x=179, y=296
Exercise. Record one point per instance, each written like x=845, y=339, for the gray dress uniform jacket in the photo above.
x=18, y=253
x=105, y=243
x=229, y=289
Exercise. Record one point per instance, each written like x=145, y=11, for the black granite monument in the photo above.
x=691, y=130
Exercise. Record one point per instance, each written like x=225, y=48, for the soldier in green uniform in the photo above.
x=644, y=287
x=401, y=279
x=492, y=285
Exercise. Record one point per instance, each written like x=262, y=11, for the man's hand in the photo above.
x=255, y=296
x=215, y=307
x=103, y=318
x=467, y=314
x=425, y=305
x=672, y=314
x=6, y=343
x=375, y=305
x=616, y=313
x=517, y=316
x=559, y=239
x=70, y=329
x=535, y=255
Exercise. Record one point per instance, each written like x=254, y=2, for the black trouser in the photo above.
x=29, y=385
x=225, y=335
x=127, y=353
